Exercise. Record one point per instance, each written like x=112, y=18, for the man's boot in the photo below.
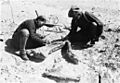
x=23, y=55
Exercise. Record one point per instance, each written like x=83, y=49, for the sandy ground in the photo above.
x=98, y=63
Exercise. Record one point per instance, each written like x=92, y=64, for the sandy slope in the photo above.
x=102, y=58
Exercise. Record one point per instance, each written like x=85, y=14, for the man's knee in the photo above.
x=97, y=29
x=94, y=24
x=25, y=33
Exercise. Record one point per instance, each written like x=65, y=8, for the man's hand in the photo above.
x=43, y=36
x=46, y=41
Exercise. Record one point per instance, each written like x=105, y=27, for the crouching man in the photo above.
x=25, y=35
x=90, y=27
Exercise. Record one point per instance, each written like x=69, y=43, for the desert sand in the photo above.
x=97, y=64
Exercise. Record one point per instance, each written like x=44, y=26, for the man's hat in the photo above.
x=72, y=10
x=75, y=8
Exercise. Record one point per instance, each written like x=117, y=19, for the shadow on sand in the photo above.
x=9, y=48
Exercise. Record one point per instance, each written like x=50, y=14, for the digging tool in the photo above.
x=36, y=13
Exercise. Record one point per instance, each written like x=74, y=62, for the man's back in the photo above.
x=27, y=24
